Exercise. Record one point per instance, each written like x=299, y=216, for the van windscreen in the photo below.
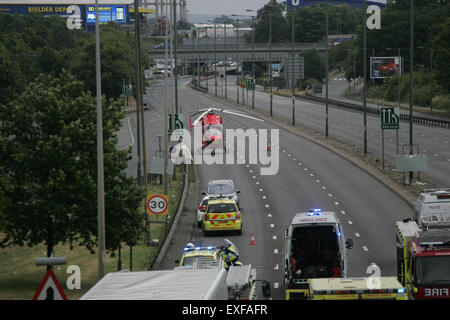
x=315, y=252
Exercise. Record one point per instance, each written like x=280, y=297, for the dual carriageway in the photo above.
x=309, y=176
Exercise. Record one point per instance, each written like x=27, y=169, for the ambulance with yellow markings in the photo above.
x=222, y=214
x=381, y=288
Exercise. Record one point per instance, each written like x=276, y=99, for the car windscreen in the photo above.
x=220, y=189
x=431, y=271
x=222, y=208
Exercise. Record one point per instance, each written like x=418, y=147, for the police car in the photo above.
x=199, y=258
x=222, y=215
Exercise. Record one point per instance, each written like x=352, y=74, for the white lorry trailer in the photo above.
x=177, y=284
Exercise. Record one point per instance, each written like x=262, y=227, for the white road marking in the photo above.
x=267, y=206
x=264, y=197
x=306, y=169
x=349, y=222
x=289, y=155
x=365, y=248
x=294, y=159
x=317, y=181
x=274, y=237
x=276, y=267
x=299, y=163
x=269, y=215
x=357, y=234
x=275, y=251
x=311, y=174
x=343, y=212
x=272, y=225
x=276, y=285
x=257, y=182
x=330, y=195
x=251, y=171
x=261, y=190
x=336, y=203
x=254, y=177
x=323, y=187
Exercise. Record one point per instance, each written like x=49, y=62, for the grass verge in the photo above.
x=20, y=277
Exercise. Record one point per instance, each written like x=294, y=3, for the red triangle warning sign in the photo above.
x=50, y=289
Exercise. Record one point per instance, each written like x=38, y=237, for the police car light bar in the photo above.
x=199, y=248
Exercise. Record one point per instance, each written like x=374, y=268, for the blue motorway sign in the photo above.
x=107, y=13
x=352, y=3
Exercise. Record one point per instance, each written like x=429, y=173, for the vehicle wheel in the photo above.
x=239, y=232
x=199, y=224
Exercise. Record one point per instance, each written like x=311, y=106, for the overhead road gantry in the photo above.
x=247, y=51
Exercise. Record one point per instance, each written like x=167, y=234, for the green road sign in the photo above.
x=389, y=120
x=127, y=90
x=178, y=123
x=250, y=85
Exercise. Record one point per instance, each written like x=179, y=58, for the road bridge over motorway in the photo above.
x=247, y=52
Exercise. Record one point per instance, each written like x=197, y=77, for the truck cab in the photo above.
x=315, y=247
x=423, y=258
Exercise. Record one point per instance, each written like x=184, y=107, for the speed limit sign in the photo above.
x=157, y=204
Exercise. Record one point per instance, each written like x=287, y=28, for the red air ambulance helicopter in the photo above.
x=212, y=126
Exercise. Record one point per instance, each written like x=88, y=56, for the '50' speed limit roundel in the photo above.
x=157, y=204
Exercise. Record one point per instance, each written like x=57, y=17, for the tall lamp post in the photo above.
x=100, y=172
x=237, y=57
x=326, y=74
x=411, y=84
x=253, y=58
x=293, y=69
x=365, y=74
x=270, y=64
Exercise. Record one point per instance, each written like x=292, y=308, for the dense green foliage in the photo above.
x=48, y=136
x=34, y=44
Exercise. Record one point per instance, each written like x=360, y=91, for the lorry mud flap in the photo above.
x=297, y=294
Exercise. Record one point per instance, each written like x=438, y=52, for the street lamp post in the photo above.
x=326, y=73
x=411, y=84
x=293, y=69
x=100, y=170
x=215, y=60
x=253, y=58
x=270, y=64
x=237, y=57
x=365, y=74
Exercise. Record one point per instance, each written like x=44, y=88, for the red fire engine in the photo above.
x=423, y=257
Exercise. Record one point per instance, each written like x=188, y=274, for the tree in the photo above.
x=117, y=59
x=441, y=45
x=271, y=11
x=314, y=64
x=49, y=168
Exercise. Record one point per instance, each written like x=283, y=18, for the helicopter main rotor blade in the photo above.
x=242, y=115
x=201, y=116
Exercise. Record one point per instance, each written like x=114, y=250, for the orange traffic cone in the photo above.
x=253, y=240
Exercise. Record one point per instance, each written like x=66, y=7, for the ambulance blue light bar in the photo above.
x=401, y=290
x=314, y=212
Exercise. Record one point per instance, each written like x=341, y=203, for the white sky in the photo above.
x=218, y=7
x=228, y=7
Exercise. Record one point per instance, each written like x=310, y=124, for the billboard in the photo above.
x=107, y=13
x=384, y=67
x=353, y=3
x=46, y=10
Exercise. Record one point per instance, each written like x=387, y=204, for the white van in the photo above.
x=315, y=247
x=432, y=203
